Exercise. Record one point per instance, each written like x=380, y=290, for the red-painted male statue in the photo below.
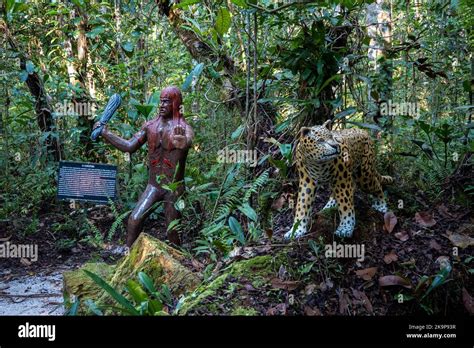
x=169, y=137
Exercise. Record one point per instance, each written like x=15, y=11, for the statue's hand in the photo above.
x=179, y=137
x=179, y=130
x=179, y=141
x=97, y=125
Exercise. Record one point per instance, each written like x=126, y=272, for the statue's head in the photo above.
x=171, y=103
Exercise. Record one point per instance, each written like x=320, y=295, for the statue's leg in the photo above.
x=141, y=211
x=172, y=214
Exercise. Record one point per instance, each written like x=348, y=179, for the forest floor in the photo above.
x=400, y=257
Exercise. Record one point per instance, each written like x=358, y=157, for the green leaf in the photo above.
x=285, y=150
x=172, y=224
x=327, y=82
x=365, y=125
x=240, y=3
x=196, y=72
x=155, y=307
x=344, y=113
x=248, y=211
x=95, y=32
x=238, y=132
x=74, y=308
x=30, y=67
x=93, y=307
x=172, y=186
x=282, y=126
x=146, y=281
x=23, y=75
x=214, y=74
x=186, y=3
x=223, y=21
x=236, y=228
x=112, y=292
x=128, y=46
x=439, y=279
x=280, y=164
x=136, y=291
x=144, y=109
x=10, y=5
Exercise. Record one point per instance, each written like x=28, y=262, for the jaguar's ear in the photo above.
x=327, y=123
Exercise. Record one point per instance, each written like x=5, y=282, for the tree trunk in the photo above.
x=44, y=117
x=379, y=31
x=202, y=52
x=84, y=76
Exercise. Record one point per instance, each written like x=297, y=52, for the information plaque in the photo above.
x=87, y=181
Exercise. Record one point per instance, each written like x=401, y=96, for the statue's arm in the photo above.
x=124, y=145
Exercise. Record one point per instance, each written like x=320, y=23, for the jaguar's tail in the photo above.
x=385, y=179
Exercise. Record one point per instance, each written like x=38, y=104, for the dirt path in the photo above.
x=36, y=294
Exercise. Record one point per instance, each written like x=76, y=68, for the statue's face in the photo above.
x=166, y=107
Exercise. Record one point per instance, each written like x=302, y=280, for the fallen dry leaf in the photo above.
x=466, y=229
x=269, y=233
x=282, y=272
x=391, y=280
x=328, y=284
x=390, y=257
x=197, y=265
x=425, y=219
x=390, y=220
x=277, y=310
x=309, y=289
x=443, y=211
x=362, y=297
x=402, y=235
x=280, y=202
x=311, y=311
x=460, y=240
x=343, y=303
x=367, y=273
x=434, y=245
x=468, y=301
x=249, y=287
x=285, y=284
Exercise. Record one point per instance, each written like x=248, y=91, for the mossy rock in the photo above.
x=244, y=311
x=79, y=284
x=162, y=263
x=207, y=299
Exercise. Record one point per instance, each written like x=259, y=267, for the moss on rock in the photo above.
x=77, y=283
x=257, y=270
x=244, y=311
x=162, y=263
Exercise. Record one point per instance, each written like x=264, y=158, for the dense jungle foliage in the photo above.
x=252, y=74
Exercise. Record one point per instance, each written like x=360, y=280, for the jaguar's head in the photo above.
x=318, y=143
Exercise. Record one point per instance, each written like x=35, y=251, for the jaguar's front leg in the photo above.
x=306, y=195
x=344, y=193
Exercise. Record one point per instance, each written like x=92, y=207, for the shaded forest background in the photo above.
x=251, y=74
